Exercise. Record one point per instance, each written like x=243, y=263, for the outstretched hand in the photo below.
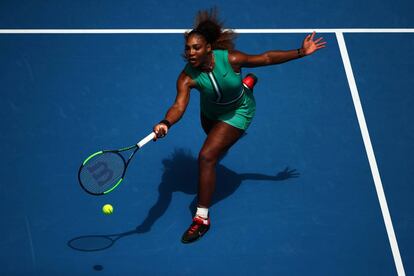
x=309, y=46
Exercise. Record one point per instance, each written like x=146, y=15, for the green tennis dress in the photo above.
x=222, y=95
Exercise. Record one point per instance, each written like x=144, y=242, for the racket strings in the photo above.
x=102, y=172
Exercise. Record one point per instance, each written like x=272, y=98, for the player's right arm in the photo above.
x=176, y=111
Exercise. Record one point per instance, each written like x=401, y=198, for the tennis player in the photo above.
x=214, y=68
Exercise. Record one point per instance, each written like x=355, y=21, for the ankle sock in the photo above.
x=202, y=212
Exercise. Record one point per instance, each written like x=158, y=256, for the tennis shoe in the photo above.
x=196, y=230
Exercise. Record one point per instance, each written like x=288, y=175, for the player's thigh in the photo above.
x=219, y=139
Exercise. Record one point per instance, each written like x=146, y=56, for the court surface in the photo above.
x=89, y=78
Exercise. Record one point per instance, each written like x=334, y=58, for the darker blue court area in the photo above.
x=295, y=196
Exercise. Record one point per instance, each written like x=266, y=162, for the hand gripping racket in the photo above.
x=104, y=170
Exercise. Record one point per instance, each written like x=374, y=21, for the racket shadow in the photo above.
x=181, y=175
x=92, y=243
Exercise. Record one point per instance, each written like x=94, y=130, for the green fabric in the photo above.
x=238, y=114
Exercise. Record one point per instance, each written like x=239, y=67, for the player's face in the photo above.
x=197, y=50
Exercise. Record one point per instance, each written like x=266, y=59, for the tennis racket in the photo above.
x=104, y=170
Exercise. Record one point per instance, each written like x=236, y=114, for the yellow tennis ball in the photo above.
x=107, y=209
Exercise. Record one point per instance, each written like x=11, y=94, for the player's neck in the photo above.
x=208, y=66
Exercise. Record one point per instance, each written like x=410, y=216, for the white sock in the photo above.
x=202, y=212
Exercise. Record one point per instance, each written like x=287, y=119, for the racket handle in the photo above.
x=149, y=137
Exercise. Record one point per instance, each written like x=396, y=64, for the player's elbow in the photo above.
x=267, y=59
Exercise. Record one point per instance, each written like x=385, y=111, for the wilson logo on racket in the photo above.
x=99, y=170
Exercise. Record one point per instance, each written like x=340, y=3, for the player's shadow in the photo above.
x=181, y=175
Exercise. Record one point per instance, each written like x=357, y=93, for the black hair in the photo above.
x=208, y=25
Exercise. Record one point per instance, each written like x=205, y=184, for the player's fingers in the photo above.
x=319, y=39
x=156, y=134
x=162, y=130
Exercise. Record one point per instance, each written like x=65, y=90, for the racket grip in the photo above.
x=149, y=137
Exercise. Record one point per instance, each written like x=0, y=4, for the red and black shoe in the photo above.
x=196, y=230
x=250, y=81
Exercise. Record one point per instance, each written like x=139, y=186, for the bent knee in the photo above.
x=207, y=157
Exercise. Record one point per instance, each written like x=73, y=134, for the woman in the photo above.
x=227, y=106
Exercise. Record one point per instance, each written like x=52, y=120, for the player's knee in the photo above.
x=207, y=157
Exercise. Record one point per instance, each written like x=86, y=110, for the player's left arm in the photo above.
x=309, y=46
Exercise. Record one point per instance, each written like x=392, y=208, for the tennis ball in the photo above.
x=107, y=209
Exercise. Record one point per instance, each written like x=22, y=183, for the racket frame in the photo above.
x=137, y=146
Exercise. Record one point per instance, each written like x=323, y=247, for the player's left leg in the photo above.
x=219, y=140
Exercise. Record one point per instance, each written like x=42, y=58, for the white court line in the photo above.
x=371, y=156
x=180, y=31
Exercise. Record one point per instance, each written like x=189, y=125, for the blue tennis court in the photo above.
x=320, y=185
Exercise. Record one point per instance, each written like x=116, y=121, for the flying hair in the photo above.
x=208, y=25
